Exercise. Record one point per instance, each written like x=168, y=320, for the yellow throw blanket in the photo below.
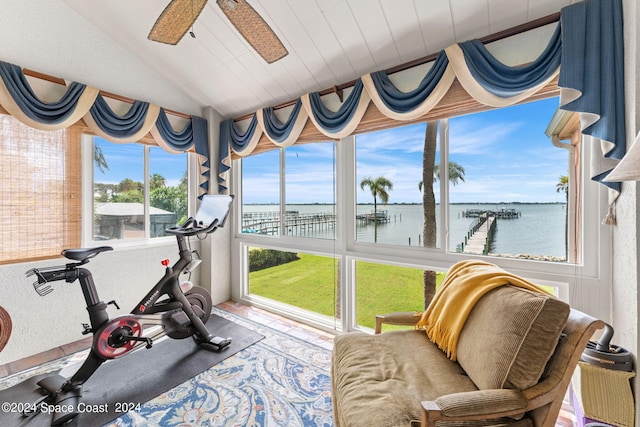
x=464, y=285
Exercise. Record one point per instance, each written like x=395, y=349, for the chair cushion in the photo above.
x=380, y=380
x=509, y=336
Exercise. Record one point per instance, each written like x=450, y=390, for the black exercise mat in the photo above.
x=135, y=378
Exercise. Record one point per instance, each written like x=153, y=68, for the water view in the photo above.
x=537, y=230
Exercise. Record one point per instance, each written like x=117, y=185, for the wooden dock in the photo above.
x=295, y=223
x=502, y=213
x=480, y=235
x=302, y=224
x=379, y=216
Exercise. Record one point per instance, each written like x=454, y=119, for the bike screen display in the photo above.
x=212, y=207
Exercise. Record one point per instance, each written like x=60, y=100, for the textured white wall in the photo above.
x=49, y=37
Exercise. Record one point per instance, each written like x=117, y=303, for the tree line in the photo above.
x=161, y=196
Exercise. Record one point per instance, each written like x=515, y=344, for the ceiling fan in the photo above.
x=179, y=15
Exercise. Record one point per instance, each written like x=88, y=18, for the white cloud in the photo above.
x=466, y=137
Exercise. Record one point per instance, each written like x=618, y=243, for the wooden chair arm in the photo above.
x=474, y=405
x=404, y=318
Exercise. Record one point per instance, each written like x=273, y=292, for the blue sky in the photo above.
x=126, y=161
x=505, y=153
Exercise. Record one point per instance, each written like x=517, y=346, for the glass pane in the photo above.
x=310, y=190
x=118, y=187
x=298, y=279
x=384, y=288
x=512, y=202
x=390, y=162
x=261, y=193
x=168, y=187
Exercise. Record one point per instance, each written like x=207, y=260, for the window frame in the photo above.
x=88, y=200
x=589, y=271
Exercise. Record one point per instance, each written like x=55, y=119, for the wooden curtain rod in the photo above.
x=527, y=26
x=60, y=81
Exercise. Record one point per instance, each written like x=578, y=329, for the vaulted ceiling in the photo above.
x=329, y=42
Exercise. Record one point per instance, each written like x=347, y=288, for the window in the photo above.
x=496, y=164
x=298, y=279
x=40, y=199
x=261, y=194
x=389, y=176
x=304, y=281
x=129, y=203
x=41, y=192
x=508, y=180
x=310, y=190
x=382, y=288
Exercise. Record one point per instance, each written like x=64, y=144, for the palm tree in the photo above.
x=429, y=204
x=378, y=188
x=431, y=171
x=99, y=159
x=157, y=181
x=456, y=173
x=563, y=186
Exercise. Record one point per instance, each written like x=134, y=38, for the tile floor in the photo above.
x=566, y=418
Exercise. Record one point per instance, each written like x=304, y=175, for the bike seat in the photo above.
x=83, y=254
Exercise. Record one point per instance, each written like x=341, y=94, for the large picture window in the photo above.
x=412, y=200
x=389, y=179
x=509, y=197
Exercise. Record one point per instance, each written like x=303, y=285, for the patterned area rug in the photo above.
x=279, y=381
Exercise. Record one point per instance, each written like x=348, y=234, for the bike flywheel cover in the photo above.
x=104, y=346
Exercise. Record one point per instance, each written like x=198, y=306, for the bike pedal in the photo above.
x=219, y=342
x=214, y=344
x=87, y=329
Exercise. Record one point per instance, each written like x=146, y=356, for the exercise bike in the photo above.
x=171, y=308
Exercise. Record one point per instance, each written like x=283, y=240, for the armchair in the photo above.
x=513, y=368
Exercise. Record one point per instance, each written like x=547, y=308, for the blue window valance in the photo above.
x=84, y=102
x=586, y=51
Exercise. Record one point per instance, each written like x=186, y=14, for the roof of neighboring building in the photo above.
x=127, y=209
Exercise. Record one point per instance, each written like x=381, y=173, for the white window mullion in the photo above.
x=283, y=204
x=444, y=185
x=147, y=195
x=346, y=188
x=88, y=200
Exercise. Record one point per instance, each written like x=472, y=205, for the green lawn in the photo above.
x=309, y=283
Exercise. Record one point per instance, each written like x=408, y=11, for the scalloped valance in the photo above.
x=586, y=50
x=85, y=102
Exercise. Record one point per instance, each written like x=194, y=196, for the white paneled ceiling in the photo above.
x=329, y=42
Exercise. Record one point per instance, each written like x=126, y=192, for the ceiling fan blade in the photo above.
x=175, y=20
x=254, y=29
